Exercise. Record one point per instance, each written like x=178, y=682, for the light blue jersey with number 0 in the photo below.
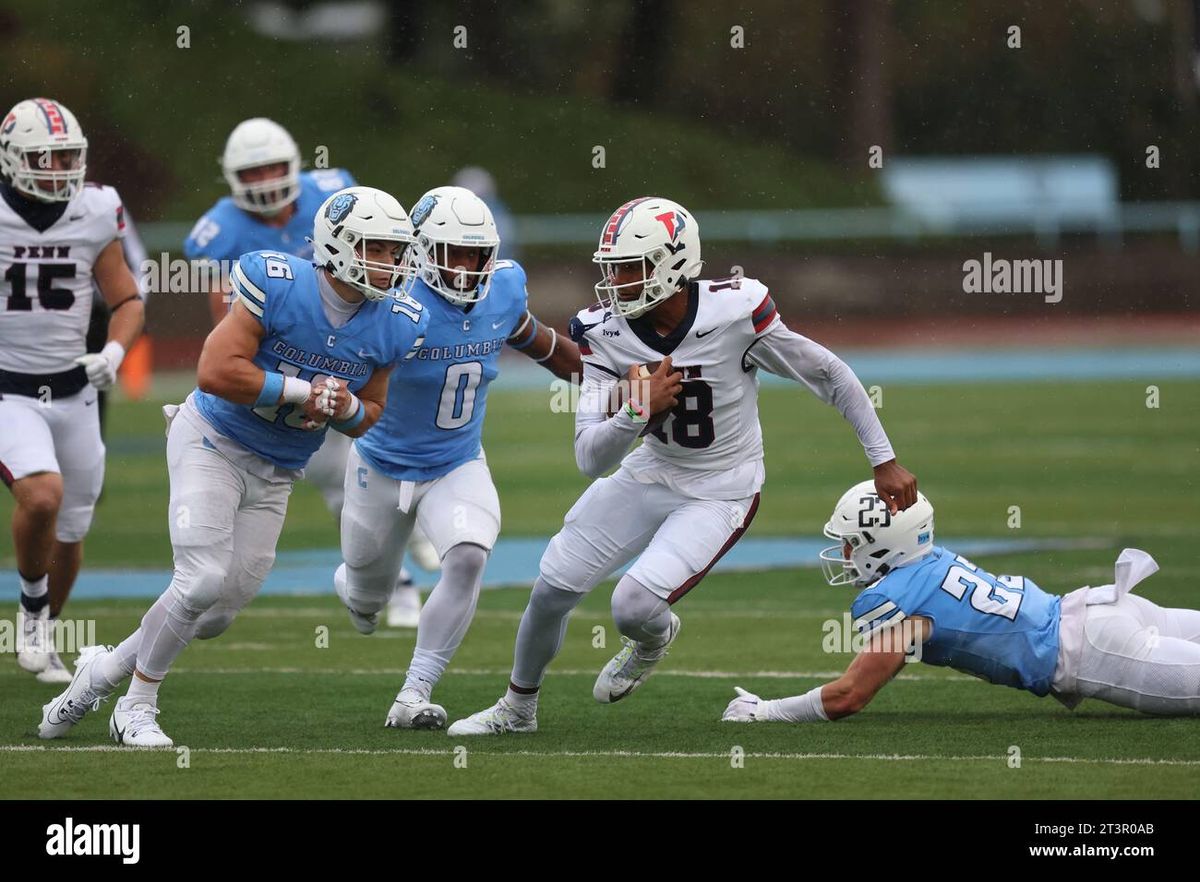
x=433, y=421
x=1003, y=629
x=281, y=292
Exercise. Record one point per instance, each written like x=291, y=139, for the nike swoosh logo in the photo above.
x=704, y=333
x=496, y=325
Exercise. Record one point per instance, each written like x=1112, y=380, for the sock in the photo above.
x=36, y=594
x=116, y=667
x=523, y=703
x=167, y=628
x=417, y=684
x=447, y=615
x=540, y=635
x=142, y=692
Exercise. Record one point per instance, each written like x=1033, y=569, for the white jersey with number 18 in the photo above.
x=714, y=428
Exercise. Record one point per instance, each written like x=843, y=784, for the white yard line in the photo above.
x=504, y=672
x=615, y=754
x=572, y=672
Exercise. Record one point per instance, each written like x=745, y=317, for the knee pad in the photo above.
x=465, y=561
x=74, y=522
x=633, y=605
x=214, y=622
x=199, y=587
x=550, y=598
x=359, y=593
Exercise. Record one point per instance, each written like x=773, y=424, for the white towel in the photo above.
x=1132, y=567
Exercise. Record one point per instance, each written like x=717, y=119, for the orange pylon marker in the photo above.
x=136, y=369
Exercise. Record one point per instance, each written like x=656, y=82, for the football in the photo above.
x=617, y=399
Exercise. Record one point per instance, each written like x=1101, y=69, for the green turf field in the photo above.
x=265, y=712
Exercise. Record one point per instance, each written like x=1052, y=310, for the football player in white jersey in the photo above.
x=58, y=235
x=683, y=498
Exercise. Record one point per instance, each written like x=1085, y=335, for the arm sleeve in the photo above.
x=787, y=354
x=600, y=441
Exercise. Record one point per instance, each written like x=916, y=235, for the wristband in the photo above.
x=271, y=388
x=353, y=422
x=636, y=412
x=296, y=390
x=553, y=343
x=528, y=339
x=520, y=328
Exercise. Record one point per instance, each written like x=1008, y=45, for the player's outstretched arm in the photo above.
x=120, y=291
x=871, y=670
x=785, y=353
x=555, y=352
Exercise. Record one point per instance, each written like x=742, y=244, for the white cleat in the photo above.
x=63, y=712
x=364, y=623
x=34, y=652
x=411, y=710
x=499, y=719
x=133, y=725
x=55, y=672
x=629, y=668
x=424, y=553
x=404, y=607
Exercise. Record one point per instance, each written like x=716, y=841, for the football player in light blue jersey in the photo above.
x=423, y=463
x=270, y=208
x=271, y=204
x=307, y=347
x=923, y=602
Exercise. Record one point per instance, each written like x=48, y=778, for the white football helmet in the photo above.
x=879, y=540
x=33, y=131
x=454, y=216
x=343, y=224
x=664, y=237
x=257, y=142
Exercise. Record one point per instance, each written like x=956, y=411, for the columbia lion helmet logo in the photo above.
x=422, y=209
x=674, y=223
x=340, y=207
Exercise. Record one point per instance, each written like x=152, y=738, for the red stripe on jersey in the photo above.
x=734, y=537
x=760, y=310
x=584, y=349
x=763, y=314
x=120, y=217
x=761, y=326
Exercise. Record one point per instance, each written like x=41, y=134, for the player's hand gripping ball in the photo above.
x=638, y=379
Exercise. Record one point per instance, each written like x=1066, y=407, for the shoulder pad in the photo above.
x=511, y=267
